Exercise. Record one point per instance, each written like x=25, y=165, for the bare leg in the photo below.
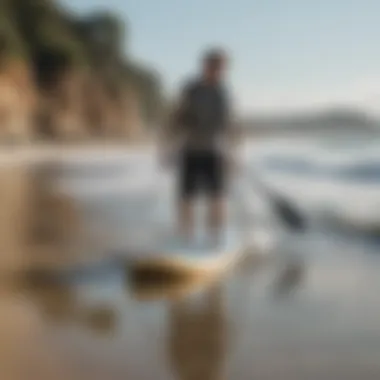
x=216, y=215
x=186, y=217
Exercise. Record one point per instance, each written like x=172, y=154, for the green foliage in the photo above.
x=11, y=43
x=148, y=85
x=104, y=34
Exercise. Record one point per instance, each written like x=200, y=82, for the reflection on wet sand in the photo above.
x=38, y=226
x=197, y=336
x=25, y=352
x=14, y=205
x=100, y=319
x=59, y=303
x=55, y=218
x=290, y=278
x=56, y=227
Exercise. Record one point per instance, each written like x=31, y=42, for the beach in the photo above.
x=303, y=307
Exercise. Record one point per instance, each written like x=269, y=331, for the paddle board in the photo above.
x=198, y=256
x=155, y=245
x=152, y=289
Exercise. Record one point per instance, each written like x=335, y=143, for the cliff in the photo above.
x=65, y=77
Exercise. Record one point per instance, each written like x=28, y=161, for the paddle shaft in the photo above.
x=285, y=211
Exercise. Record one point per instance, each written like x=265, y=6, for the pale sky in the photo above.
x=287, y=54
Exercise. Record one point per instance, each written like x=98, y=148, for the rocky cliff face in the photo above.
x=65, y=78
x=17, y=101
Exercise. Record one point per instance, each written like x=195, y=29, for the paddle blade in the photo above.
x=289, y=215
x=285, y=211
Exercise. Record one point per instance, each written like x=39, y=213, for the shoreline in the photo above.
x=38, y=153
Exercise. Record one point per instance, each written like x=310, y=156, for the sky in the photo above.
x=285, y=54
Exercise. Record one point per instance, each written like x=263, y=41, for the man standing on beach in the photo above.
x=201, y=129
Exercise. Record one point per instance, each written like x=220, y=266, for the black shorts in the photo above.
x=201, y=172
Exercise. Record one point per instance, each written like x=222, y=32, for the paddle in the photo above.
x=286, y=212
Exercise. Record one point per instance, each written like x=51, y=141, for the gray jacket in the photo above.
x=204, y=115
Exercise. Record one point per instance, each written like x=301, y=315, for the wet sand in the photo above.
x=311, y=315
x=269, y=321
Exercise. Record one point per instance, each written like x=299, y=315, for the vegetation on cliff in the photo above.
x=78, y=69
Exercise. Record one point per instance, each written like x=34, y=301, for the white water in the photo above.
x=93, y=173
x=323, y=191
x=101, y=172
